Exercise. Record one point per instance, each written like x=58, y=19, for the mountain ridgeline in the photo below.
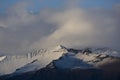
x=62, y=63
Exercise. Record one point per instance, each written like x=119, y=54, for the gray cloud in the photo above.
x=19, y=29
x=80, y=28
x=72, y=27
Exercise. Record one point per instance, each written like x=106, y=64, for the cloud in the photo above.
x=69, y=26
x=19, y=29
x=81, y=28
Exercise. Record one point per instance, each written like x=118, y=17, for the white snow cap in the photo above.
x=60, y=48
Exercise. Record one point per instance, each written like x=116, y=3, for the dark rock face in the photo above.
x=111, y=71
x=74, y=50
x=55, y=74
x=65, y=74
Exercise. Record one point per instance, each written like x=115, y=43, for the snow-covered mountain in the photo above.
x=32, y=61
x=59, y=57
x=86, y=58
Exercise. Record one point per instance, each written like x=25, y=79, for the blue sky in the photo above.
x=38, y=4
x=99, y=3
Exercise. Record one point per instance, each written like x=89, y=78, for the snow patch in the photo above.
x=2, y=58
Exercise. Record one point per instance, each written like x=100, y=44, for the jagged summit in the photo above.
x=60, y=48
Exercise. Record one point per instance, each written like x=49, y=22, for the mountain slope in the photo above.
x=59, y=58
x=32, y=61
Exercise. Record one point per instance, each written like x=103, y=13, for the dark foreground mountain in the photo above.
x=67, y=74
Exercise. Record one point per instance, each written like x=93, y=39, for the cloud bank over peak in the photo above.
x=80, y=28
x=69, y=26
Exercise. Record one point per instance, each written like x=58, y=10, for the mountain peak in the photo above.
x=60, y=48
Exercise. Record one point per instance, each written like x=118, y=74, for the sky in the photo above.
x=31, y=24
x=38, y=4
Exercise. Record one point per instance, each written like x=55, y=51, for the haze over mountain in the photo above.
x=68, y=24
